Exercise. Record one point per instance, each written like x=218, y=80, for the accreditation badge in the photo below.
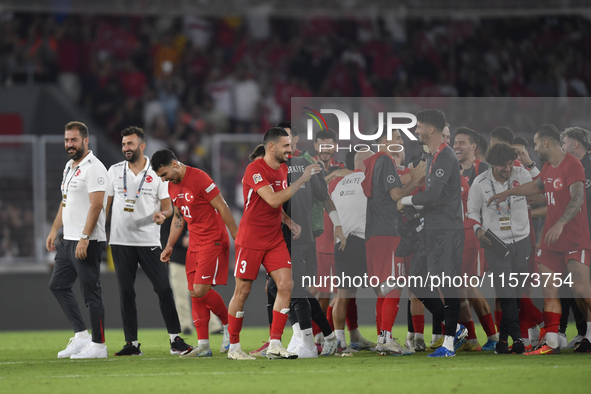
x=505, y=223
x=64, y=198
x=129, y=205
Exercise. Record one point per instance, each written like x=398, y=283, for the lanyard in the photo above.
x=435, y=156
x=66, y=187
x=508, y=198
x=125, y=183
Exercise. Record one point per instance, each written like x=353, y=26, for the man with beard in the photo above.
x=140, y=204
x=198, y=202
x=82, y=215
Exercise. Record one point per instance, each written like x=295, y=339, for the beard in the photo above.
x=77, y=154
x=280, y=157
x=135, y=155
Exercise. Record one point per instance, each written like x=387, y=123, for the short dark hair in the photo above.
x=472, y=135
x=503, y=134
x=274, y=134
x=257, y=152
x=549, y=131
x=131, y=130
x=434, y=117
x=162, y=158
x=579, y=134
x=482, y=145
x=328, y=134
x=80, y=126
x=499, y=154
x=520, y=141
x=287, y=125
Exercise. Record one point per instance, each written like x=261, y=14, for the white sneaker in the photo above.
x=420, y=345
x=410, y=345
x=394, y=349
x=225, y=346
x=76, y=345
x=305, y=352
x=93, y=350
x=572, y=344
x=199, y=351
x=278, y=351
x=293, y=343
x=362, y=344
x=239, y=355
x=562, y=341
x=330, y=347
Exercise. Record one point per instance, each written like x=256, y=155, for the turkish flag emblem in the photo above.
x=78, y=172
x=515, y=183
x=149, y=179
x=557, y=184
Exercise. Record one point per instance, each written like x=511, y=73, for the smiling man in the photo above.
x=198, y=201
x=139, y=200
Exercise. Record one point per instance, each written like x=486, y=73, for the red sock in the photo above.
x=200, y=317
x=352, y=315
x=279, y=320
x=488, y=324
x=498, y=317
x=215, y=303
x=551, y=321
x=379, y=305
x=443, y=327
x=418, y=322
x=390, y=310
x=329, y=317
x=315, y=329
x=234, y=327
x=531, y=310
x=471, y=330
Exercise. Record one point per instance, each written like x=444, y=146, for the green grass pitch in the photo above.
x=28, y=364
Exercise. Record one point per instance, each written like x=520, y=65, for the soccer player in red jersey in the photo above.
x=198, y=201
x=565, y=241
x=260, y=239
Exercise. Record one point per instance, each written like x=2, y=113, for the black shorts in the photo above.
x=440, y=252
x=303, y=267
x=350, y=262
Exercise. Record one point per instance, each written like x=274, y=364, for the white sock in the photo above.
x=203, y=343
x=225, y=328
x=435, y=338
x=410, y=335
x=274, y=342
x=534, y=333
x=552, y=339
x=135, y=343
x=419, y=335
x=526, y=341
x=588, y=333
x=457, y=327
x=234, y=347
x=307, y=337
x=297, y=332
x=356, y=336
x=173, y=336
x=82, y=334
x=341, y=337
x=99, y=345
x=448, y=343
x=330, y=337
x=494, y=337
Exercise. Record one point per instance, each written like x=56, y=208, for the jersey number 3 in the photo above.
x=242, y=266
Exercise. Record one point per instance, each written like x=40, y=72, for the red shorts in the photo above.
x=381, y=261
x=557, y=261
x=207, y=266
x=324, y=267
x=248, y=261
x=472, y=265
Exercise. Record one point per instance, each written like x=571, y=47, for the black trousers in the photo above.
x=515, y=262
x=126, y=259
x=67, y=268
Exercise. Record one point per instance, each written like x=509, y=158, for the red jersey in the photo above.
x=260, y=227
x=192, y=196
x=557, y=180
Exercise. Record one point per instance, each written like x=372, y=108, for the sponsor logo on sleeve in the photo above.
x=439, y=173
x=210, y=188
x=391, y=178
x=100, y=181
x=257, y=178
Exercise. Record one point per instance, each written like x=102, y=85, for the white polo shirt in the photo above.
x=77, y=183
x=351, y=204
x=483, y=188
x=135, y=228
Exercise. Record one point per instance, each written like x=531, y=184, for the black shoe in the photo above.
x=584, y=346
x=130, y=350
x=502, y=347
x=518, y=347
x=178, y=346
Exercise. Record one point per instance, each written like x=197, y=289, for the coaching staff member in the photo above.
x=509, y=222
x=140, y=203
x=82, y=215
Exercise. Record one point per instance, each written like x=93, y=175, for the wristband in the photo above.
x=334, y=217
x=406, y=200
x=162, y=212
